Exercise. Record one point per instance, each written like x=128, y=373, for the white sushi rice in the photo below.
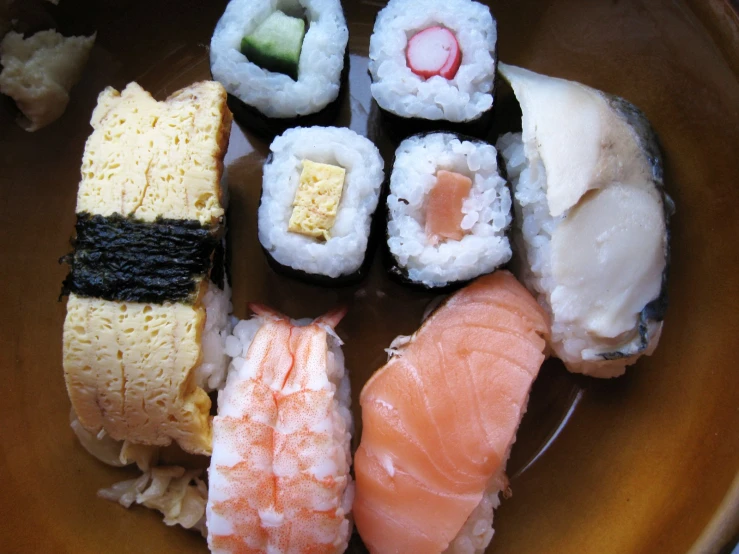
x=344, y=252
x=533, y=236
x=477, y=532
x=487, y=210
x=274, y=94
x=398, y=90
x=210, y=374
x=533, y=233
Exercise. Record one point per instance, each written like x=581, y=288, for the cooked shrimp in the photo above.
x=279, y=475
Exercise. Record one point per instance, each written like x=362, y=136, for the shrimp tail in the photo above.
x=265, y=311
x=332, y=317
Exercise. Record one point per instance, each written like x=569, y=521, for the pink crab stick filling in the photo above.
x=434, y=51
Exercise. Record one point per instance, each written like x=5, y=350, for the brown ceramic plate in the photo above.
x=643, y=464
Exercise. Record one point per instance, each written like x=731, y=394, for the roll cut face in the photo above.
x=592, y=219
x=320, y=190
x=434, y=60
x=135, y=325
x=283, y=59
x=448, y=211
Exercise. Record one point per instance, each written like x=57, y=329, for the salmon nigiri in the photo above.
x=440, y=417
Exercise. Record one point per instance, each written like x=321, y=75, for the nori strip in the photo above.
x=321, y=280
x=121, y=259
x=399, y=128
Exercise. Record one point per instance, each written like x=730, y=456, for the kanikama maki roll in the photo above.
x=148, y=308
x=448, y=210
x=432, y=64
x=320, y=190
x=591, y=213
x=282, y=63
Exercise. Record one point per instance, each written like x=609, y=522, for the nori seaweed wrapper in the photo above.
x=270, y=127
x=321, y=280
x=400, y=127
x=121, y=259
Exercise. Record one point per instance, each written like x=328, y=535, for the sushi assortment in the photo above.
x=575, y=202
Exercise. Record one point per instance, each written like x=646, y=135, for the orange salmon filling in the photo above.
x=444, y=208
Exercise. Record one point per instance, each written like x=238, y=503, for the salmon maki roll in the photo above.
x=448, y=211
x=439, y=420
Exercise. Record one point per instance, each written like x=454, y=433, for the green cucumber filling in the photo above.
x=276, y=43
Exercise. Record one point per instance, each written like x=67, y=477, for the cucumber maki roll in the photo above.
x=282, y=63
x=432, y=64
x=320, y=190
x=448, y=210
x=591, y=213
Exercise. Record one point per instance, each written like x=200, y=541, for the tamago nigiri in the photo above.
x=439, y=420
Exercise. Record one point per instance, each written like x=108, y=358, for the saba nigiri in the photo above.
x=439, y=420
x=279, y=477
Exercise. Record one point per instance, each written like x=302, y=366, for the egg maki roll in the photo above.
x=448, y=211
x=592, y=214
x=320, y=190
x=283, y=63
x=432, y=64
x=147, y=314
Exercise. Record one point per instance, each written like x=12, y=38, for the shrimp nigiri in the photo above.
x=279, y=475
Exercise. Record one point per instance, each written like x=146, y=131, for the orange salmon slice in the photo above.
x=444, y=208
x=440, y=417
